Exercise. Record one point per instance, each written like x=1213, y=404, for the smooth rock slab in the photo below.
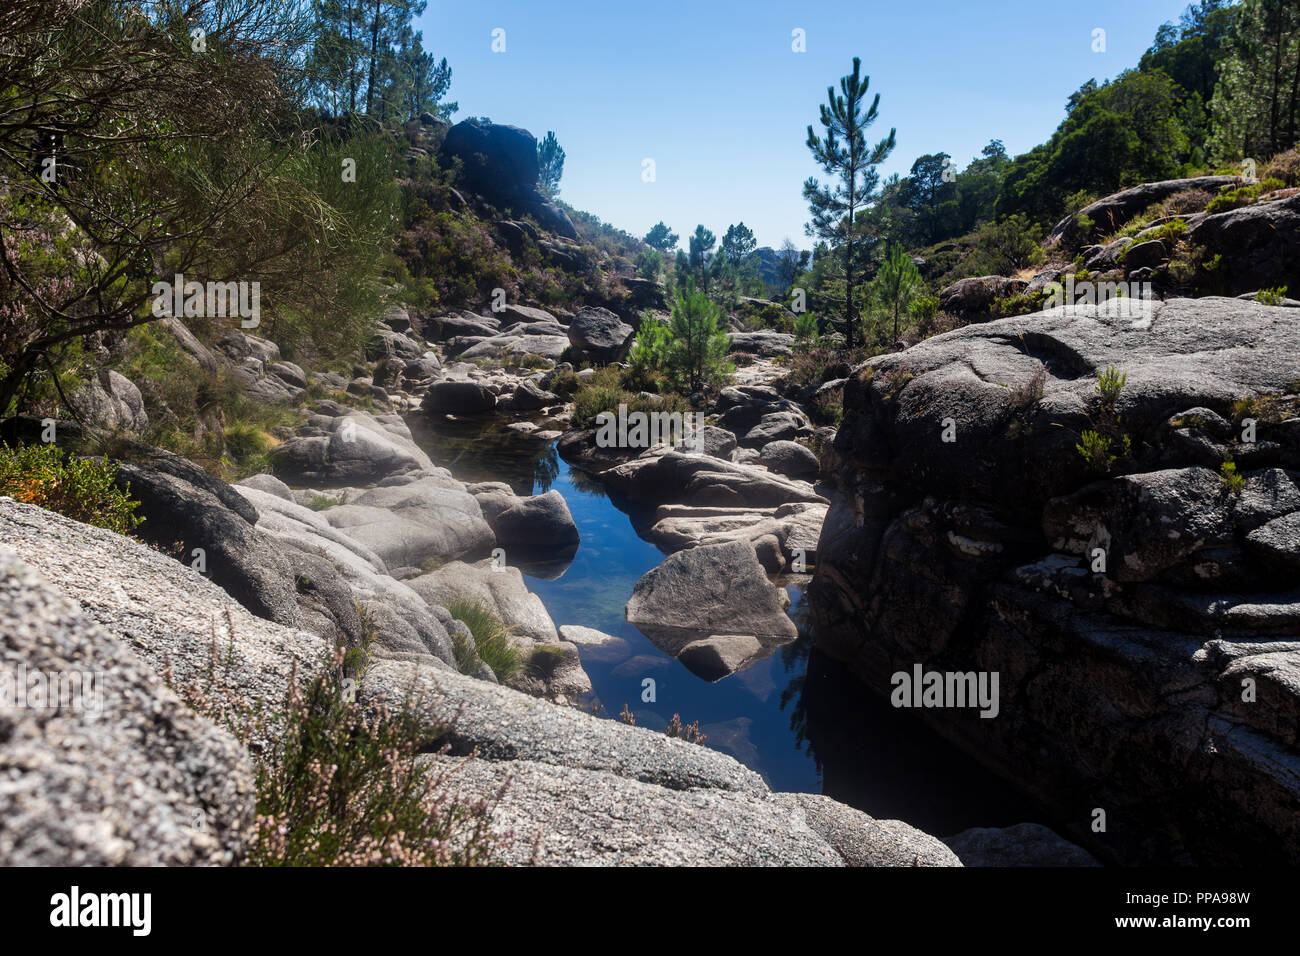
x=506, y=724
x=591, y=817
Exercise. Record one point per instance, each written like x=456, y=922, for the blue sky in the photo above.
x=713, y=93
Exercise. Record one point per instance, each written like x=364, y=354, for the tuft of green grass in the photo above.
x=492, y=638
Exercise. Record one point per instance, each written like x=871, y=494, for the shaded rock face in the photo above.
x=1260, y=245
x=1122, y=608
x=113, y=770
x=184, y=517
x=1025, y=844
x=500, y=163
x=459, y=398
x=972, y=298
x=1111, y=212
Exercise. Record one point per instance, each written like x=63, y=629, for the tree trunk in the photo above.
x=374, y=57
x=1295, y=88
x=352, y=70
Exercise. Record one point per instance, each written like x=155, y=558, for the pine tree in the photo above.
x=697, y=354
x=701, y=246
x=843, y=154
x=661, y=237
x=1256, y=104
x=896, y=284
x=550, y=164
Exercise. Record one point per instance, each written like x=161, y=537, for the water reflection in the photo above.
x=796, y=717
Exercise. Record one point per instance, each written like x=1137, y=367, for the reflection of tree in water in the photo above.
x=545, y=470
x=584, y=482
x=794, y=657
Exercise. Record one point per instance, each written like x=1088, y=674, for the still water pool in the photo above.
x=796, y=717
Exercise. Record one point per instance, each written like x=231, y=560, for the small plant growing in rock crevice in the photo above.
x=1105, y=443
x=1095, y=450
x=1110, y=382
x=1233, y=480
x=689, y=732
x=1271, y=296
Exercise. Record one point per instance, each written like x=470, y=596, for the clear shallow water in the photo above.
x=797, y=718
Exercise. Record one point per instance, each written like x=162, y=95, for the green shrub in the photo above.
x=492, y=638
x=1110, y=382
x=649, y=264
x=1232, y=480
x=1095, y=449
x=605, y=392
x=1271, y=296
x=805, y=328
x=82, y=489
x=1243, y=195
x=248, y=449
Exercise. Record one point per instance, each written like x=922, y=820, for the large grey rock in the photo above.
x=790, y=459
x=600, y=335
x=112, y=402
x=189, y=521
x=500, y=163
x=594, y=817
x=708, y=590
x=973, y=297
x=862, y=840
x=766, y=343
x=406, y=525
x=500, y=589
x=111, y=768
x=536, y=527
x=1259, y=244
x=662, y=476
x=458, y=398
x=356, y=448
x=131, y=591
x=502, y=723
x=1109, y=213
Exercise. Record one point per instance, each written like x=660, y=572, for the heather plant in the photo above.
x=343, y=785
